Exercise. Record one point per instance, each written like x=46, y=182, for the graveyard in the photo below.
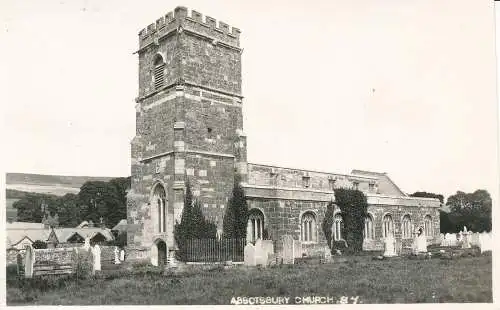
x=467, y=279
x=457, y=270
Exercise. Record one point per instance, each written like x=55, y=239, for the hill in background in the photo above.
x=19, y=184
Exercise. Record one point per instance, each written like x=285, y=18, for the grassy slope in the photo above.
x=394, y=281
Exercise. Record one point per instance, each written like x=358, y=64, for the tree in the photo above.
x=39, y=244
x=353, y=209
x=70, y=213
x=236, y=217
x=472, y=210
x=103, y=200
x=33, y=207
x=428, y=195
x=446, y=223
x=193, y=225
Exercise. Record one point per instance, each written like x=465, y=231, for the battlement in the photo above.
x=193, y=22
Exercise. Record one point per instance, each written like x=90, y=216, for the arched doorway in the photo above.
x=162, y=253
x=159, y=252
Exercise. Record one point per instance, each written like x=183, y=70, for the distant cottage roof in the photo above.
x=63, y=234
x=15, y=236
x=121, y=226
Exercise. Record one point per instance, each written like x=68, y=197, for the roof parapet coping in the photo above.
x=180, y=14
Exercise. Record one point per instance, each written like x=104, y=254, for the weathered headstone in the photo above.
x=260, y=253
x=154, y=255
x=328, y=254
x=96, y=253
x=389, y=247
x=122, y=255
x=297, y=249
x=117, y=256
x=474, y=239
x=86, y=245
x=29, y=261
x=288, y=251
x=466, y=239
x=442, y=240
x=268, y=246
x=485, y=242
x=420, y=242
x=249, y=255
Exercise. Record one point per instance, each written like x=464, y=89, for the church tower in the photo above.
x=189, y=125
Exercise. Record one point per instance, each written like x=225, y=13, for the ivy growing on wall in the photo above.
x=353, y=209
x=328, y=222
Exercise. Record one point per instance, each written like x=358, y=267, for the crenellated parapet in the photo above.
x=194, y=22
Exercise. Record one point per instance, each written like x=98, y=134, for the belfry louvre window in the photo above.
x=159, y=72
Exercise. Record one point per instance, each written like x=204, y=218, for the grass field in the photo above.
x=392, y=281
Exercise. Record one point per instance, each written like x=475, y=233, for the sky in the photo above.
x=403, y=87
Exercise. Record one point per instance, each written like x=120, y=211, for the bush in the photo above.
x=38, y=244
x=11, y=272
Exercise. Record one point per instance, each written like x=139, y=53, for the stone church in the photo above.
x=189, y=126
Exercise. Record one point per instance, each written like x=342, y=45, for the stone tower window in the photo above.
x=159, y=204
x=159, y=72
x=308, y=227
x=406, y=227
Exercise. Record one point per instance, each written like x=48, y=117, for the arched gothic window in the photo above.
x=406, y=227
x=369, y=231
x=338, y=225
x=387, y=226
x=159, y=203
x=159, y=72
x=308, y=227
x=255, y=225
x=428, y=226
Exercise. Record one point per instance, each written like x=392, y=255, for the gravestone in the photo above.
x=96, y=253
x=297, y=249
x=122, y=255
x=86, y=245
x=450, y=239
x=260, y=253
x=442, y=240
x=288, y=253
x=466, y=240
x=420, y=242
x=249, y=254
x=328, y=254
x=29, y=261
x=485, y=242
x=117, y=256
x=268, y=246
x=474, y=239
x=154, y=255
x=389, y=247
